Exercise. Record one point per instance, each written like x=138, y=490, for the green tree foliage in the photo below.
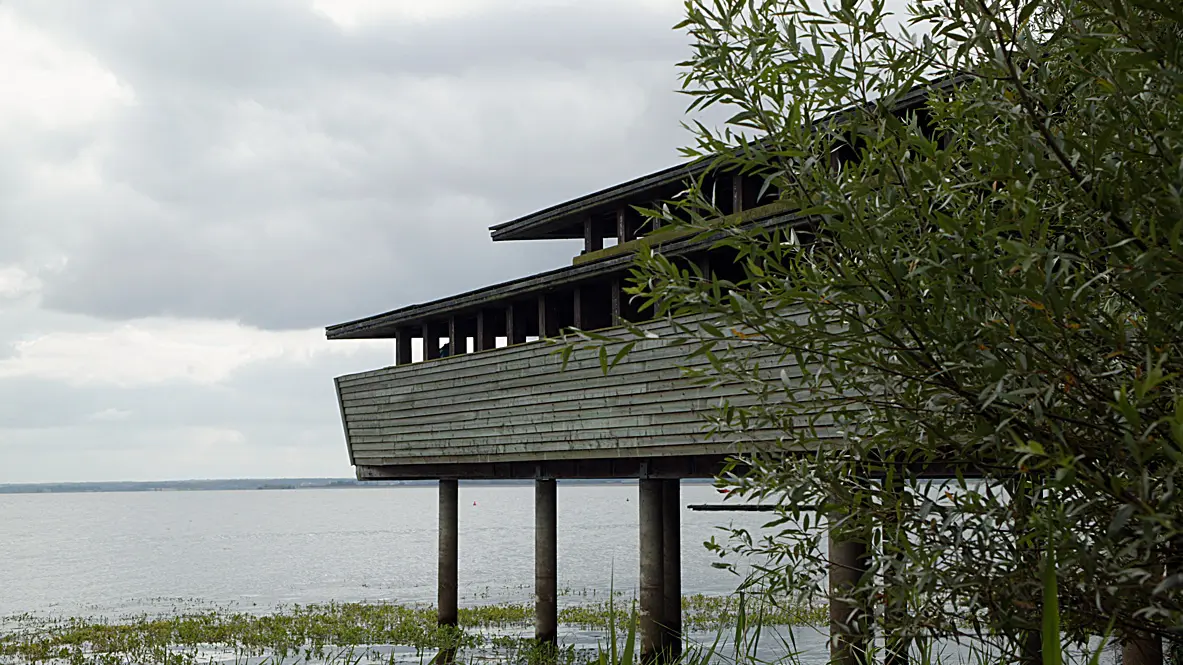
x=987, y=284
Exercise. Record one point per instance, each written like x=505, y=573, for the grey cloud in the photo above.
x=284, y=394
x=264, y=43
x=277, y=170
x=285, y=411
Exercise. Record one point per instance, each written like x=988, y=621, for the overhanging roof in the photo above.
x=382, y=326
x=561, y=221
x=565, y=220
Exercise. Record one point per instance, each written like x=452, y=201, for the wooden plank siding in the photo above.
x=518, y=404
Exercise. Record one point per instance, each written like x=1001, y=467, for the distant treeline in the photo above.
x=248, y=484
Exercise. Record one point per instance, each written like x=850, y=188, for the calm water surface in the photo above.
x=130, y=552
x=117, y=554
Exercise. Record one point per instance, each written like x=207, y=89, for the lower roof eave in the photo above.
x=383, y=326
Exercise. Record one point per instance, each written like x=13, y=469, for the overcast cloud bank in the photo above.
x=190, y=191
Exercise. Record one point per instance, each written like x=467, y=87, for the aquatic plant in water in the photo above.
x=346, y=633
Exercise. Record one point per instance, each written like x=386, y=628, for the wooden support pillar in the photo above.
x=546, y=561
x=593, y=239
x=1142, y=650
x=431, y=342
x=548, y=320
x=652, y=557
x=449, y=508
x=671, y=516
x=577, y=304
x=617, y=301
x=737, y=193
x=624, y=228
x=514, y=331
x=485, y=337
x=457, y=341
x=849, y=619
x=402, y=346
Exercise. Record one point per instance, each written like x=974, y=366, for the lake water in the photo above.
x=117, y=554
x=129, y=552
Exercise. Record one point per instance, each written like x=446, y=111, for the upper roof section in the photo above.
x=601, y=215
x=568, y=219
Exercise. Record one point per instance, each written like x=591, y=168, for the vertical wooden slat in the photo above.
x=624, y=230
x=431, y=342
x=485, y=337
x=453, y=347
x=514, y=328
x=593, y=240
x=402, y=344
x=616, y=301
x=577, y=302
x=548, y=318
x=737, y=191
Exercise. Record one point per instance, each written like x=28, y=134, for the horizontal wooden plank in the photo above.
x=534, y=354
x=642, y=415
x=542, y=358
x=627, y=437
x=544, y=379
x=518, y=401
x=658, y=397
x=630, y=399
x=671, y=447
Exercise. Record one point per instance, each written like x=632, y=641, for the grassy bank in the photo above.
x=349, y=633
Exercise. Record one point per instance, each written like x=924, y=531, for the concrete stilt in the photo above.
x=896, y=643
x=546, y=563
x=849, y=619
x=671, y=513
x=1023, y=497
x=652, y=569
x=449, y=535
x=1142, y=651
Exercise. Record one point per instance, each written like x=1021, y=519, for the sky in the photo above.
x=191, y=191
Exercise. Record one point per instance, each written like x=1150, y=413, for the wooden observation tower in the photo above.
x=490, y=401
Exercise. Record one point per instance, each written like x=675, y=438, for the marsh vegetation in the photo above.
x=350, y=633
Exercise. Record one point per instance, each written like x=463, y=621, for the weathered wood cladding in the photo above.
x=517, y=403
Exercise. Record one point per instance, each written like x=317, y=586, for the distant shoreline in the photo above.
x=262, y=484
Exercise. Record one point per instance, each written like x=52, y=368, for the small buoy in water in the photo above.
x=474, y=503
